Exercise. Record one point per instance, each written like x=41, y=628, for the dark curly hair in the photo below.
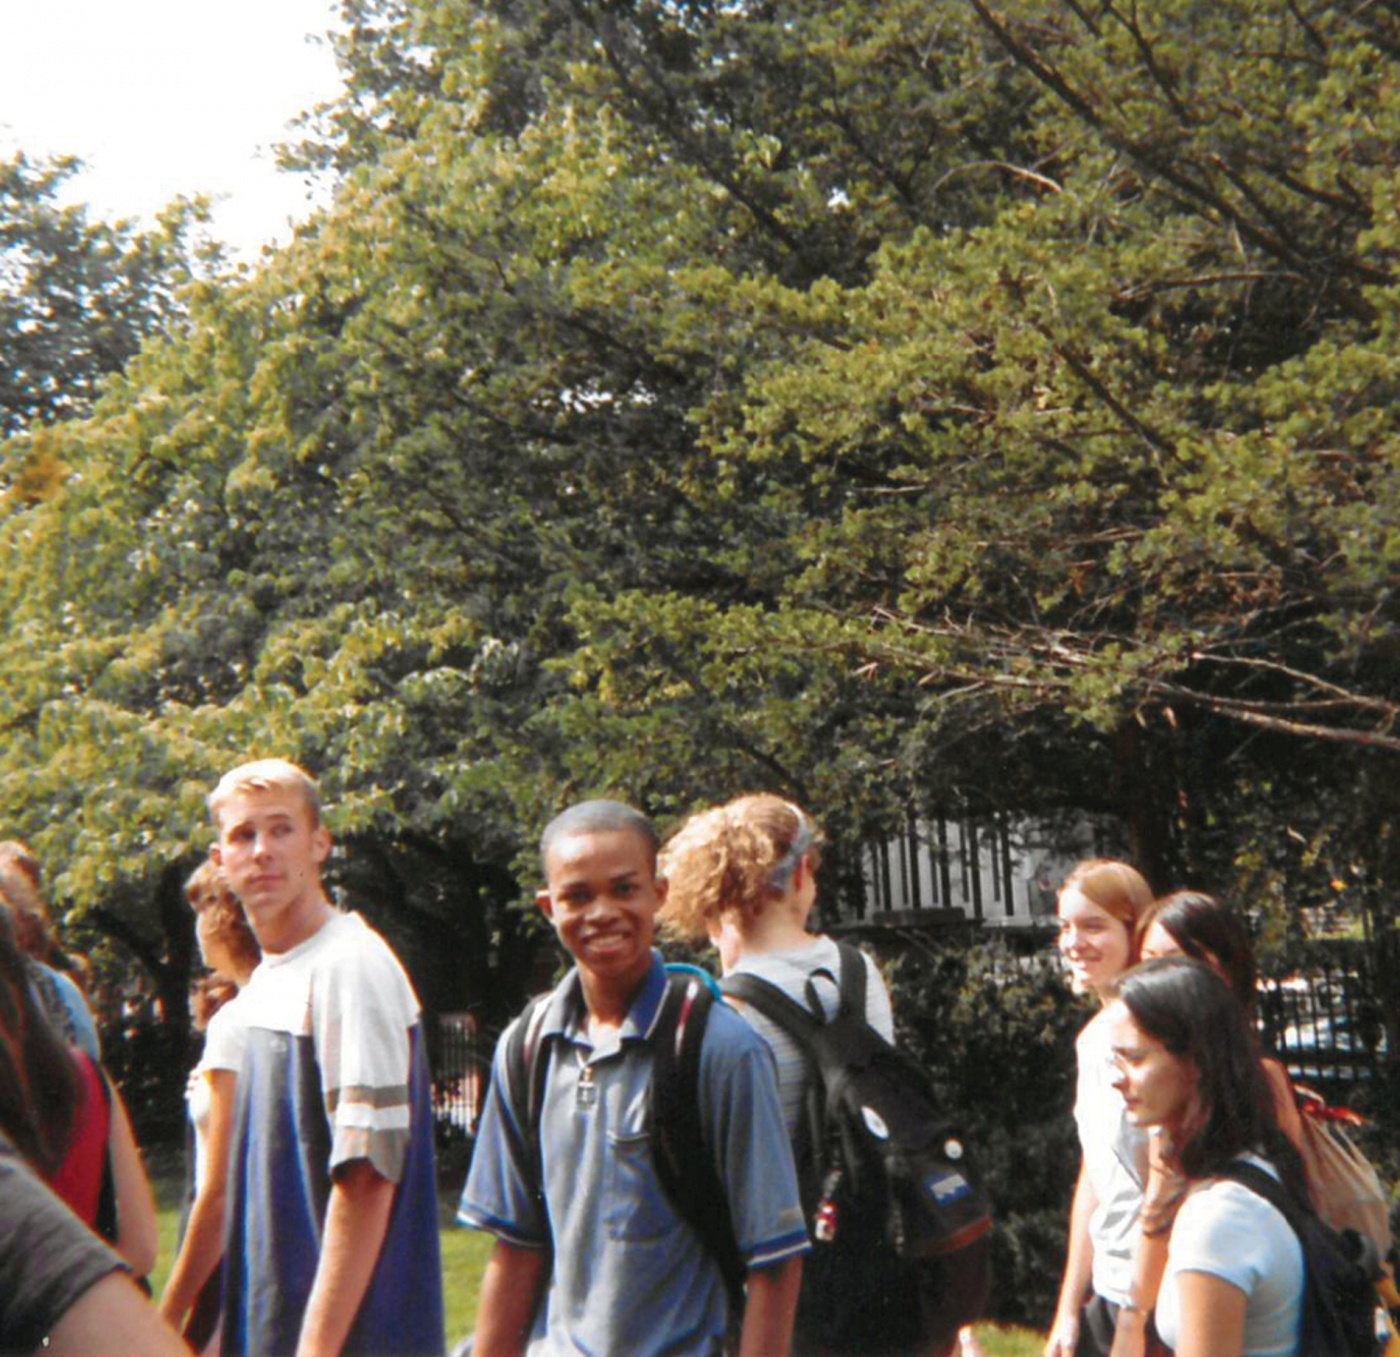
x=212, y=898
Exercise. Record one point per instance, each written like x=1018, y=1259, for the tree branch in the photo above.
x=1250, y=715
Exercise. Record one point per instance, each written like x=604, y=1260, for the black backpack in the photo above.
x=684, y=1165
x=900, y=1219
x=1338, y=1309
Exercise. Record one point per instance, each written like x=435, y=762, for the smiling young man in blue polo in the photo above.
x=601, y=1262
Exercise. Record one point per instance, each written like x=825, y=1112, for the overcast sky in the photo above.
x=163, y=97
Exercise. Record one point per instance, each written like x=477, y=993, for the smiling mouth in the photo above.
x=605, y=944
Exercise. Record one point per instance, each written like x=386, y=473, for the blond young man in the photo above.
x=332, y=1244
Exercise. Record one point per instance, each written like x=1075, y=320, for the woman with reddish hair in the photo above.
x=1099, y=906
x=192, y=1295
x=744, y=876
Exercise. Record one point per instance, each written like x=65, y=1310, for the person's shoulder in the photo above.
x=728, y=1034
x=817, y=952
x=1279, y=1081
x=874, y=976
x=347, y=940
x=551, y=1012
x=355, y=962
x=1093, y=1036
x=1222, y=1201
x=509, y=1033
x=227, y=1021
x=346, y=931
x=66, y=985
x=1232, y=1228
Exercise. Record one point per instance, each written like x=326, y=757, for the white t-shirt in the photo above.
x=790, y=970
x=1229, y=1232
x=1115, y=1160
x=224, y=1042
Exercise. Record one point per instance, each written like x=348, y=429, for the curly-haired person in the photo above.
x=230, y=950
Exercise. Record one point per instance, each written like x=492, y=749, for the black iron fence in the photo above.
x=459, y=1073
x=1323, y=1015
x=1322, y=1010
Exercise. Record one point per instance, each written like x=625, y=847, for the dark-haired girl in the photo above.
x=1187, y=1062
x=58, y=1109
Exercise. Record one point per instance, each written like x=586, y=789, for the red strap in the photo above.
x=1313, y=1104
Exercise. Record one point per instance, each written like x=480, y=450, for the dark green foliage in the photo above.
x=77, y=298
x=150, y=1062
x=997, y=1031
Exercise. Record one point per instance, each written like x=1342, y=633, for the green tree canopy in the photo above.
x=906, y=407
x=76, y=297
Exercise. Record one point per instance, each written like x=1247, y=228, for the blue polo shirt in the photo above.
x=630, y=1278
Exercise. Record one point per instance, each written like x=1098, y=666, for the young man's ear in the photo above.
x=215, y=856
x=546, y=903
x=662, y=886
x=321, y=839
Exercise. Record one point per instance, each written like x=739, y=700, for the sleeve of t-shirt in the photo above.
x=225, y=1039
x=1217, y=1232
x=84, y=1026
x=739, y=1103
x=363, y=1012
x=878, y=1011
x=498, y=1196
x=48, y=1258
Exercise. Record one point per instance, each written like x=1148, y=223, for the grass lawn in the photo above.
x=464, y=1252
x=464, y=1256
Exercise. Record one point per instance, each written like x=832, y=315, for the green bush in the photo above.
x=997, y=1032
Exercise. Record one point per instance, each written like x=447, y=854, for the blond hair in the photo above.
x=267, y=775
x=731, y=860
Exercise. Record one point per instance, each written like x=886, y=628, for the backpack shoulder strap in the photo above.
x=1265, y=1185
x=684, y=968
x=106, y=1223
x=685, y=1166
x=780, y=1009
x=524, y=1068
x=853, y=980
x=1340, y=1270
x=684, y=1159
